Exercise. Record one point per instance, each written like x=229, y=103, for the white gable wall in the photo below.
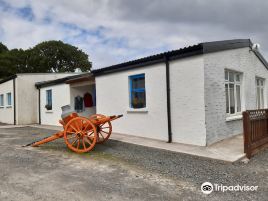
x=241, y=60
x=113, y=98
x=60, y=97
x=187, y=100
x=7, y=112
x=27, y=95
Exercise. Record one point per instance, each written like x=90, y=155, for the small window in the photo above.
x=48, y=99
x=137, y=91
x=260, y=93
x=9, y=99
x=233, y=92
x=2, y=100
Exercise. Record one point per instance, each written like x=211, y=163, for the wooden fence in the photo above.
x=255, y=124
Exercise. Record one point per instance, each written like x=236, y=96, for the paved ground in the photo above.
x=117, y=171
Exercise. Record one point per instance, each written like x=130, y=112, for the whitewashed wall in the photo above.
x=7, y=112
x=27, y=95
x=187, y=100
x=113, y=98
x=241, y=60
x=60, y=97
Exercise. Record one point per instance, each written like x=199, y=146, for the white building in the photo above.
x=193, y=95
x=19, y=97
x=65, y=91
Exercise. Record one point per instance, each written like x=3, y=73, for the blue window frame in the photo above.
x=49, y=99
x=137, y=91
x=9, y=99
x=2, y=100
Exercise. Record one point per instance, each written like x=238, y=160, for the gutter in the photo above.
x=168, y=99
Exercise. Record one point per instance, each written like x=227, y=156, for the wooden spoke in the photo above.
x=101, y=134
x=85, y=137
x=74, y=141
x=78, y=143
x=74, y=136
x=72, y=126
x=104, y=129
x=105, y=132
x=83, y=142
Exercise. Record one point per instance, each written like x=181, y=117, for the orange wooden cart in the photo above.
x=81, y=134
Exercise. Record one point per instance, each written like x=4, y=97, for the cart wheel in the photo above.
x=80, y=135
x=104, y=130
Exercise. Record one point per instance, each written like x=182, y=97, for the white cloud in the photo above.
x=125, y=29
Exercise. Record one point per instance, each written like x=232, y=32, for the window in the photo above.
x=233, y=92
x=49, y=99
x=137, y=91
x=260, y=93
x=9, y=99
x=2, y=100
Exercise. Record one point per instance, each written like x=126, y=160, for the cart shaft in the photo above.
x=48, y=139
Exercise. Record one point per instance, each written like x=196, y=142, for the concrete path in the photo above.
x=229, y=150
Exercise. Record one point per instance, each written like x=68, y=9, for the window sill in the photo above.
x=49, y=111
x=142, y=110
x=9, y=106
x=233, y=118
x=2, y=107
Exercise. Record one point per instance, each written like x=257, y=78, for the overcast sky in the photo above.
x=113, y=31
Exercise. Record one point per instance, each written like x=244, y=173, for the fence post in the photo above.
x=247, y=128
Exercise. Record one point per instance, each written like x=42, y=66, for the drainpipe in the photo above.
x=168, y=99
x=14, y=100
x=39, y=107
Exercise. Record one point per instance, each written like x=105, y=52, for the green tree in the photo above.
x=12, y=62
x=56, y=56
x=3, y=48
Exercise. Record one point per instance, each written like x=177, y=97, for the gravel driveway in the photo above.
x=117, y=171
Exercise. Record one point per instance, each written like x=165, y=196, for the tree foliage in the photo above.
x=3, y=48
x=49, y=56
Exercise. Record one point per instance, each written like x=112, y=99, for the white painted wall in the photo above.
x=113, y=98
x=27, y=95
x=7, y=112
x=60, y=97
x=187, y=100
x=241, y=60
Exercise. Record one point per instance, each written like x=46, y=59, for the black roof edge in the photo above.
x=8, y=79
x=201, y=48
x=48, y=83
x=216, y=46
x=261, y=58
x=150, y=60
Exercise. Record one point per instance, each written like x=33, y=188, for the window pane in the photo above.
x=238, y=101
x=237, y=77
x=8, y=98
x=49, y=99
x=258, y=97
x=261, y=99
x=227, y=98
x=1, y=100
x=226, y=75
x=138, y=83
x=138, y=100
x=231, y=76
x=232, y=99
